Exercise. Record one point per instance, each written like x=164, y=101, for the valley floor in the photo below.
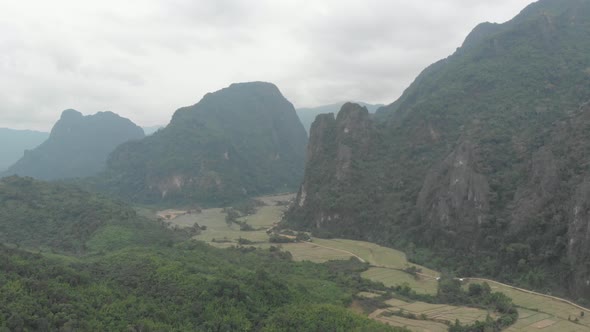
x=537, y=312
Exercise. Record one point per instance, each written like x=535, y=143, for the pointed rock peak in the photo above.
x=352, y=111
x=353, y=118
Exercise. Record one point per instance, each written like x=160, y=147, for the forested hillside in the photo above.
x=75, y=261
x=241, y=141
x=481, y=165
x=63, y=218
x=78, y=146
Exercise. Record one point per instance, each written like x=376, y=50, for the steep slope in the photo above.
x=308, y=114
x=242, y=140
x=78, y=146
x=481, y=163
x=15, y=142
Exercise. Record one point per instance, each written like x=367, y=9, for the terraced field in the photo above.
x=431, y=317
x=541, y=313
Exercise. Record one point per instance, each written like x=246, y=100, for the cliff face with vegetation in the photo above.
x=78, y=146
x=242, y=140
x=481, y=165
x=308, y=114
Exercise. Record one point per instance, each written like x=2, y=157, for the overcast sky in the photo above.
x=143, y=59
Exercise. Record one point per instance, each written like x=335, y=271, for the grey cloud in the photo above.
x=143, y=59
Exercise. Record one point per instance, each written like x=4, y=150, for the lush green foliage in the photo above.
x=240, y=141
x=63, y=218
x=507, y=105
x=185, y=288
x=78, y=146
x=321, y=318
x=133, y=274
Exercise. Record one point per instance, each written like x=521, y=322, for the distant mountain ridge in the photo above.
x=14, y=142
x=480, y=166
x=78, y=146
x=243, y=140
x=308, y=114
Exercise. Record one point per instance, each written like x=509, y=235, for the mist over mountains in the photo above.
x=15, y=142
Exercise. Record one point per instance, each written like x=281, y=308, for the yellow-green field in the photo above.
x=439, y=312
x=218, y=230
x=413, y=324
x=537, y=313
x=390, y=277
x=529, y=321
x=434, y=316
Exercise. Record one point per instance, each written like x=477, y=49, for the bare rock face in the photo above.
x=578, y=246
x=455, y=197
x=534, y=196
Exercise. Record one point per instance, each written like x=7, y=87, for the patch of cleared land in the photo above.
x=220, y=234
x=551, y=315
x=434, y=316
x=411, y=324
x=393, y=278
x=374, y=254
x=440, y=312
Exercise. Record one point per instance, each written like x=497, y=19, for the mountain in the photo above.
x=243, y=140
x=15, y=142
x=308, y=114
x=78, y=146
x=481, y=166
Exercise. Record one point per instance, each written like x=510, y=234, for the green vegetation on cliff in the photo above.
x=241, y=141
x=308, y=114
x=480, y=166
